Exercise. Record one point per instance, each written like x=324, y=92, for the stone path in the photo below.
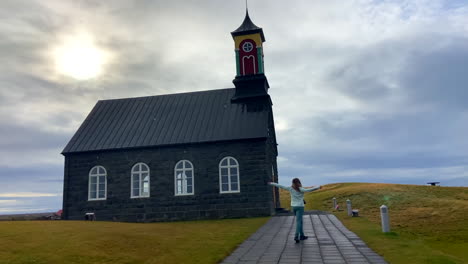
x=329, y=242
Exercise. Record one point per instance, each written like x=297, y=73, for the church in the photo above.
x=196, y=155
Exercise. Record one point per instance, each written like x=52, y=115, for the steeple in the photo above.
x=250, y=80
x=248, y=27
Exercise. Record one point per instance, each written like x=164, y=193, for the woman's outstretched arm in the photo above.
x=310, y=189
x=279, y=185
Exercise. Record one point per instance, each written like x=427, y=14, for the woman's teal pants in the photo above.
x=298, y=212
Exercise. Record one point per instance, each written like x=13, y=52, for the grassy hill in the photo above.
x=51, y=242
x=429, y=223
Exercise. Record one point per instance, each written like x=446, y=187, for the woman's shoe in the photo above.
x=296, y=239
x=304, y=237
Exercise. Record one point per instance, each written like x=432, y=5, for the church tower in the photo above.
x=250, y=80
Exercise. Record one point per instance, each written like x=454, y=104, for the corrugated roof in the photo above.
x=168, y=119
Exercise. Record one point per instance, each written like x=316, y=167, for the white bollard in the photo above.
x=334, y=203
x=350, y=210
x=385, y=220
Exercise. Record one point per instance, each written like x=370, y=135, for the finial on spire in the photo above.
x=247, y=27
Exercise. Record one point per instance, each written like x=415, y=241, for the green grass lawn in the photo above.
x=429, y=224
x=108, y=242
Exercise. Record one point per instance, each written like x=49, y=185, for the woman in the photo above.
x=297, y=204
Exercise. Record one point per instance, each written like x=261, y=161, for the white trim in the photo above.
x=228, y=167
x=230, y=192
x=139, y=173
x=97, y=175
x=184, y=179
x=185, y=194
x=243, y=63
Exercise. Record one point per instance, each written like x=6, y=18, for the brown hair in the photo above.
x=296, y=183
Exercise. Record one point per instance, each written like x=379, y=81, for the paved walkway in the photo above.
x=329, y=243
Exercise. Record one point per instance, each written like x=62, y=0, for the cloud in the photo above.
x=25, y=210
x=30, y=205
x=7, y=202
x=439, y=75
x=29, y=194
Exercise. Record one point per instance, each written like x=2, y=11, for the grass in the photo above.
x=429, y=224
x=108, y=242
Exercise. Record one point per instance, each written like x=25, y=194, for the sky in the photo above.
x=362, y=90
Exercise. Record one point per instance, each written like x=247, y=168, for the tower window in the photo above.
x=248, y=57
x=247, y=47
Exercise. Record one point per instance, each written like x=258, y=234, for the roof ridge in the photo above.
x=173, y=94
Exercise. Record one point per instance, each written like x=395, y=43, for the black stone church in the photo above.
x=197, y=155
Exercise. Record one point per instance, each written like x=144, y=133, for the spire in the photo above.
x=248, y=27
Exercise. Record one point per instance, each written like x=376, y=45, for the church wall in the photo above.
x=272, y=159
x=255, y=197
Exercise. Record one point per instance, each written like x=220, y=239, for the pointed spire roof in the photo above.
x=248, y=27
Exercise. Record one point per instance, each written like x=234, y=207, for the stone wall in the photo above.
x=255, y=197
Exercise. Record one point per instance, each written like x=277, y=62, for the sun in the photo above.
x=78, y=57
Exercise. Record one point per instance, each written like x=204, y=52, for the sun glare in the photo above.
x=79, y=57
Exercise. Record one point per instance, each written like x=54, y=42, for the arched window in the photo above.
x=97, y=188
x=229, y=175
x=183, y=172
x=140, y=186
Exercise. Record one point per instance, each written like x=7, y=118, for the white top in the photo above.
x=297, y=198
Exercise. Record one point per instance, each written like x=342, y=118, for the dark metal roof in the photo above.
x=248, y=27
x=168, y=119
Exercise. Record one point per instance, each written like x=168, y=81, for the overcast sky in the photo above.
x=363, y=91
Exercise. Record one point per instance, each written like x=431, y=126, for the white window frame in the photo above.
x=184, y=178
x=229, y=166
x=139, y=173
x=97, y=175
